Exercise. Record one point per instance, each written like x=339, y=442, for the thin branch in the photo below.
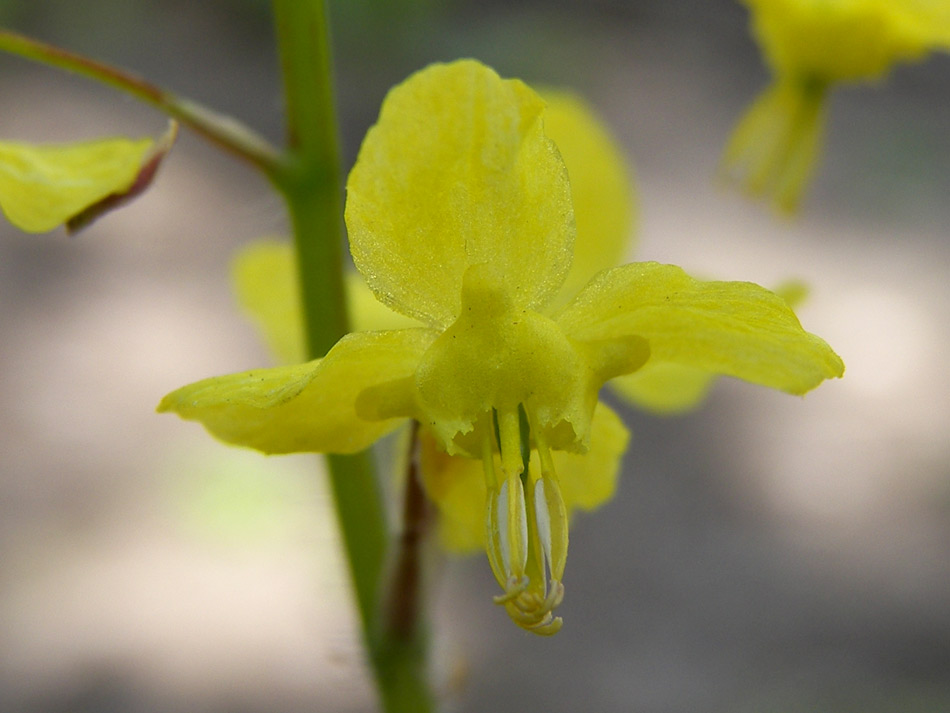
x=224, y=131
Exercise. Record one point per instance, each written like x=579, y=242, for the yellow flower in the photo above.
x=43, y=187
x=811, y=45
x=603, y=198
x=460, y=216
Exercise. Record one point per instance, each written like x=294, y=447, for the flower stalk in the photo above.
x=311, y=184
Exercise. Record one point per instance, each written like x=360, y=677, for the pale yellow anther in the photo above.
x=506, y=516
x=526, y=524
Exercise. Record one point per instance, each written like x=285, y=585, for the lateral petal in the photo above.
x=734, y=328
x=305, y=407
x=458, y=172
x=589, y=480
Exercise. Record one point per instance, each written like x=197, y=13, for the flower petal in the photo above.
x=305, y=407
x=264, y=279
x=665, y=388
x=601, y=186
x=458, y=172
x=930, y=18
x=733, y=328
x=45, y=186
x=457, y=485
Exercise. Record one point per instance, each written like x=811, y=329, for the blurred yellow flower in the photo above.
x=811, y=45
x=460, y=216
x=45, y=186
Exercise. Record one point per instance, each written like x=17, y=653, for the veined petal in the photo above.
x=733, y=328
x=45, y=186
x=457, y=485
x=264, y=276
x=458, y=172
x=305, y=407
x=602, y=186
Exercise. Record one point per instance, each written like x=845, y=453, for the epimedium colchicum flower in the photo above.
x=47, y=185
x=460, y=217
x=811, y=46
x=605, y=206
x=603, y=197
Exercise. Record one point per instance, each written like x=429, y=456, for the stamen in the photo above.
x=528, y=563
x=550, y=512
x=506, y=516
x=513, y=589
x=509, y=437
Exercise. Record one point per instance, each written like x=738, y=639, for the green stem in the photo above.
x=225, y=131
x=311, y=183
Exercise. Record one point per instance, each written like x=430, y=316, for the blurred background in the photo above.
x=765, y=554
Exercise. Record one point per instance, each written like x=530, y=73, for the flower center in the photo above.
x=497, y=356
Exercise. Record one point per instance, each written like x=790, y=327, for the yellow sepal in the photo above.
x=844, y=40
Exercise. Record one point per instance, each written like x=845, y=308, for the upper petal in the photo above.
x=45, y=186
x=458, y=172
x=602, y=186
x=733, y=328
x=305, y=407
